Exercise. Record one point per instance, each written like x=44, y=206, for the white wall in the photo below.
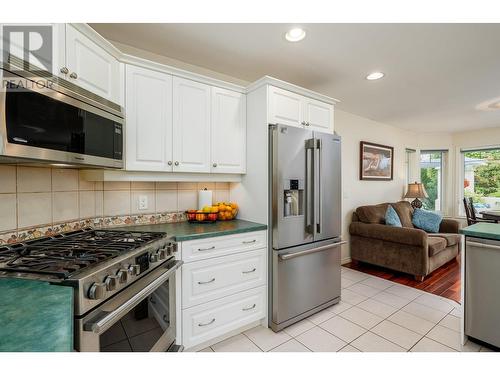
x=356, y=192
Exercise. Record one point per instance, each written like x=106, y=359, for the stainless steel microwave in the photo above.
x=47, y=120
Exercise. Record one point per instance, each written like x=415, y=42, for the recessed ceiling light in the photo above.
x=489, y=105
x=295, y=35
x=374, y=76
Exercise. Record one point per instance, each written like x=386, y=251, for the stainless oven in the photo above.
x=141, y=318
x=45, y=119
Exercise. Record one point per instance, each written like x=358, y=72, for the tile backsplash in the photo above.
x=32, y=197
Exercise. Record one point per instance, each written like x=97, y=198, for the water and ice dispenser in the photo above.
x=293, y=195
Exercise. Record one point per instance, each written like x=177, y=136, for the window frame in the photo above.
x=461, y=173
x=443, y=176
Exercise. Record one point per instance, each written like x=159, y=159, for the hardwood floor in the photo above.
x=444, y=282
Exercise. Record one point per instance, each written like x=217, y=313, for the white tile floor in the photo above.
x=375, y=315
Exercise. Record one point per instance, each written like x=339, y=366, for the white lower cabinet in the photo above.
x=216, y=318
x=223, y=286
x=215, y=278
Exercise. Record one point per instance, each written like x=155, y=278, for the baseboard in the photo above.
x=345, y=260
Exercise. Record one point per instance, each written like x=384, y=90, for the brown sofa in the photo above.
x=405, y=249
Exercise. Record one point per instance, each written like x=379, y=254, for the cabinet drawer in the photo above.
x=213, y=247
x=219, y=277
x=216, y=318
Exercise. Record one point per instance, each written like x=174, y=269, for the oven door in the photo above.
x=139, y=319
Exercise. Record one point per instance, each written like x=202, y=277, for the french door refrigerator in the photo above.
x=305, y=217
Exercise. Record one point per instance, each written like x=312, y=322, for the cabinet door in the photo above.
x=191, y=126
x=148, y=131
x=285, y=107
x=228, y=151
x=318, y=115
x=91, y=67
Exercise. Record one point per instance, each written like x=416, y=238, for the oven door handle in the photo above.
x=109, y=318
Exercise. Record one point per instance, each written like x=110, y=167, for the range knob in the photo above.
x=134, y=269
x=153, y=258
x=110, y=282
x=170, y=248
x=97, y=291
x=162, y=254
x=122, y=275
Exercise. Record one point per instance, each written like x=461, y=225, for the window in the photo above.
x=410, y=165
x=481, y=171
x=432, y=177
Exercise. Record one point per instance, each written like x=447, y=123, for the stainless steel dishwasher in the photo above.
x=482, y=290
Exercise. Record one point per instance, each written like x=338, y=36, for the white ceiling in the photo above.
x=436, y=74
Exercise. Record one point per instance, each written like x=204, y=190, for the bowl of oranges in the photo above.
x=206, y=215
x=226, y=211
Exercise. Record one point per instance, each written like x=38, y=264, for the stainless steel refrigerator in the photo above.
x=305, y=215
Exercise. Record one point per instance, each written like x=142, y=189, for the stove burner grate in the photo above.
x=64, y=255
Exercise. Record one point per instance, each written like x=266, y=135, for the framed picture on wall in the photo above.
x=376, y=162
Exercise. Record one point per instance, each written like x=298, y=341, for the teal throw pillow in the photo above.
x=427, y=220
x=392, y=218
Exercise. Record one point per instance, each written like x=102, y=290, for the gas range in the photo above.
x=97, y=263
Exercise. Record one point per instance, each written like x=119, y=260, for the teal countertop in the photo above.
x=185, y=231
x=35, y=316
x=489, y=231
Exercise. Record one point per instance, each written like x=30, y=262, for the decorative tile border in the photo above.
x=31, y=233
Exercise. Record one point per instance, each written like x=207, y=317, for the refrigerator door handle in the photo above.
x=311, y=251
x=319, y=182
x=310, y=186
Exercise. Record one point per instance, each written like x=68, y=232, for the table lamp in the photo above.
x=416, y=190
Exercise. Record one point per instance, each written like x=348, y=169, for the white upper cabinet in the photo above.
x=191, y=126
x=228, y=150
x=148, y=130
x=288, y=108
x=91, y=67
x=285, y=107
x=318, y=115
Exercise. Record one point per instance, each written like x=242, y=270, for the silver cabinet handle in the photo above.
x=206, y=282
x=169, y=162
x=176, y=163
x=482, y=245
x=206, y=324
x=307, y=124
x=311, y=251
x=208, y=248
x=303, y=123
x=249, y=308
x=64, y=70
x=214, y=165
x=248, y=242
x=253, y=270
x=73, y=75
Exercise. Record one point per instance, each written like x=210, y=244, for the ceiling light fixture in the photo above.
x=295, y=35
x=374, y=76
x=489, y=105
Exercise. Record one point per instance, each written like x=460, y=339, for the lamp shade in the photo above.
x=416, y=190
